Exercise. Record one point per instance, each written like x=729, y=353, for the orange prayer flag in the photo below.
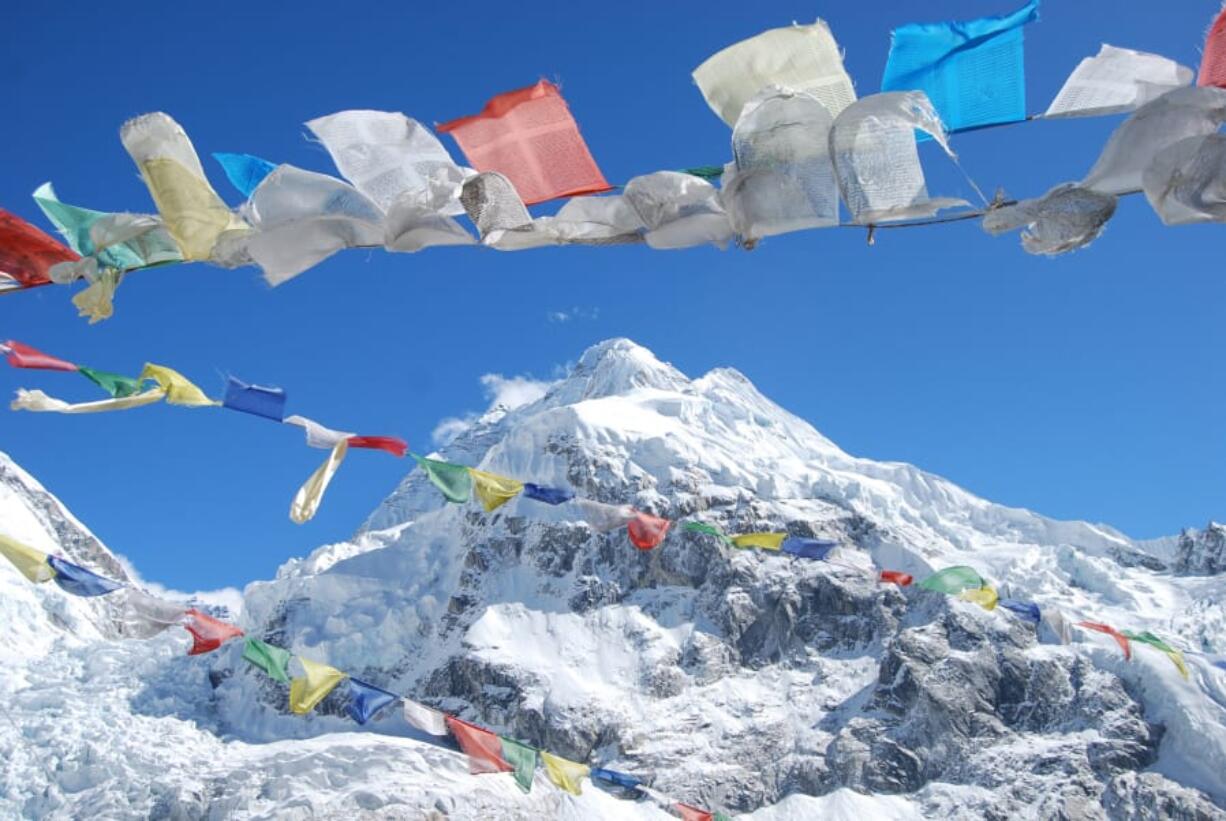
x=1213, y=60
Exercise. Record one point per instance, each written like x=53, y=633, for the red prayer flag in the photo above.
x=391, y=444
x=896, y=576
x=27, y=254
x=530, y=136
x=1119, y=637
x=483, y=748
x=21, y=355
x=646, y=531
x=693, y=813
x=1213, y=61
x=208, y=633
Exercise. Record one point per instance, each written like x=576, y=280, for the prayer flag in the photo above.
x=388, y=444
x=953, y=580
x=317, y=436
x=75, y=224
x=646, y=531
x=1027, y=611
x=602, y=517
x=494, y=490
x=1174, y=655
x=79, y=581
x=689, y=813
x=207, y=632
x=530, y=136
x=244, y=171
x=311, y=494
x=20, y=355
x=424, y=718
x=615, y=777
x=1116, y=80
x=679, y=210
x=1185, y=183
x=96, y=302
x=257, y=400
x=1213, y=60
x=1054, y=627
x=143, y=616
x=522, y=759
x=483, y=748
x=27, y=254
x=895, y=577
x=32, y=563
x=39, y=401
x=115, y=384
x=308, y=690
x=972, y=70
x=985, y=597
x=179, y=390
x=766, y=541
x=548, y=495
x=453, y=481
x=1119, y=637
x=566, y=775
x=271, y=659
x=807, y=548
x=1064, y=219
x=365, y=700
x=706, y=529
x=804, y=58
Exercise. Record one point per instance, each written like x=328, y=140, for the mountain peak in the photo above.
x=616, y=366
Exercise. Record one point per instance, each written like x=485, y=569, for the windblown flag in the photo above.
x=1116, y=80
x=985, y=597
x=40, y=402
x=803, y=58
x=807, y=548
x=548, y=495
x=207, y=632
x=522, y=759
x=1213, y=61
x=1174, y=655
x=178, y=388
x=388, y=444
x=614, y=777
x=1027, y=611
x=306, y=691
x=271, y=659
x=454, y=481
x=32, y=563
x=117, y=385
x=972, y=70
x=27, y=254
x=646, y=531
x=244, y=171
x=689, y=813
x=602, y=517
x=78, y=581
x=143, y=616
x=953, y=580
x=706, y=529
x=21, y=355
x=895, y=577
x=424, y=718
x=566, y=775
x=308, y=498
x=765, y=541
x=365, y=700
x=483, y=748
x=493, y=490
x=257, y=400
x=530, y=136
x=1119, y=637
x=317, y=436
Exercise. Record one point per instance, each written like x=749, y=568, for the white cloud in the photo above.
x=514, y=391
x=574, y=313
x=448, y=429
x=229, y=597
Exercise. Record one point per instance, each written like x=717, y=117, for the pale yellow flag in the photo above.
x=985, y=597
x=565, y=775
x=32, y=563
x=194, y=215
x=494, y=490
x=97, y=301
x=307, y=691
x=39, y=401
x=307, y=499
x=179, y=391
x=766, y=541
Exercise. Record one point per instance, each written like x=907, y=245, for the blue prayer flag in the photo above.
x=78, y=581
x=365, y=700
x=255, y=399
x=808, y=548
x=971, y=70
x=244, y=171
x=1024, y=609
x=549, y=495
x=1221, y=664
x=614, y=777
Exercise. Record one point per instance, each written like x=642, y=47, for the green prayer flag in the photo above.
x=719, y=816
x=1149, y=638
x=455, y=482
x=271, y=659
x=709, y=530
x=523, y=759
x=707, y=172
x=953, y=580
x=115, y=384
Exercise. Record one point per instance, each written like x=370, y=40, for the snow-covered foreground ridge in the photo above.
x=736, y=680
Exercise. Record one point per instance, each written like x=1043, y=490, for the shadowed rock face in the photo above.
x=1202, y=552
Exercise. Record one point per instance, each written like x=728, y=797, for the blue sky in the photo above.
x=1088, y=386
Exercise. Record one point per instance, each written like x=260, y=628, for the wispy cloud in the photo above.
x=229, y=597
x=505, y=392
x=575, y=313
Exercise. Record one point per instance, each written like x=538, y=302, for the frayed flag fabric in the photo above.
x=20, y=355
x=244, y=171
x=78, y=581
x=207, y=632
x=647, y=532
x=388, y=444
x=483, y=748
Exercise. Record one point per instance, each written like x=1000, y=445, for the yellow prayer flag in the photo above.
x=1177, y=658
x=97, y=301
x=307, y=691
x=39, y=401
x=985, y=596
x=565, y=775
x=179, y=391
x=307, y=499
x=494, y=490
x=766, y=541
x=194, y=215
x=32, y=563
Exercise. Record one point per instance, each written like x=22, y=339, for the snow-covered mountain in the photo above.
x=753, y=683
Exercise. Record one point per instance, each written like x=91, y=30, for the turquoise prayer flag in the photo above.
x=244, y=171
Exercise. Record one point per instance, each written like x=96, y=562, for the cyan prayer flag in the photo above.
x=255, y=399
x=1024, y=609
x=78, y=581
x=365, y=700
x=971, y=70
x=808, y=548
x=614, y=777
x=548, y=495
x=244, y=171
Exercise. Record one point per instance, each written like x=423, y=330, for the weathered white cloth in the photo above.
x=424, y=718
x=678, y=210
x=311, y=494
x=1117, y=80
x=1186, y=182
x=318, y=436
x=601, y=517
x=1064, y=219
